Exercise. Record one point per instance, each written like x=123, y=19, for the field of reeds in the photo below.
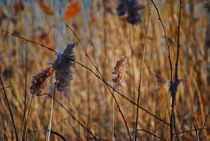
x=113, y=70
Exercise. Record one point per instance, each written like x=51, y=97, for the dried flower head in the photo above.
x=119, y=75
x=133, y=10
x=62, y=66
x=121, y=8
x=38, y=82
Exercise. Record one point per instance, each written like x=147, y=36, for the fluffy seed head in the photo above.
x=119, y=74
x=121, y=8
x=132, y=8
x=62, y=66
x=38, y=82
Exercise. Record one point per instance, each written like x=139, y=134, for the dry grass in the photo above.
x=86, y=112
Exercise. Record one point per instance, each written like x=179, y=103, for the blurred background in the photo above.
x=106, y=36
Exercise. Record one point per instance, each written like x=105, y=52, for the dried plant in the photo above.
x=119, y=75
x=38, y=82
x=133, y=10
x=26, y=53
x=62, y=66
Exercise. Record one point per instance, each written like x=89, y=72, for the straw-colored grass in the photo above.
x=87, y=111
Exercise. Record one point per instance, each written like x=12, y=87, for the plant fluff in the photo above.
x=119, y=75
x=133, y=11
x=38, y=82
x=62, y=66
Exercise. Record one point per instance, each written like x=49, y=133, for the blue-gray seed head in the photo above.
x=63, y=65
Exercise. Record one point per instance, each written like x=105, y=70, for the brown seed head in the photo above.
x=38, y=82
x=119, y=74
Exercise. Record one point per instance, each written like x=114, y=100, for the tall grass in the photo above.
x=166, y=45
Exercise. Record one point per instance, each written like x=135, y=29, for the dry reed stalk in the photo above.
x=140, y=76
x=26, y=80
x=119, y=77
x=173, y=84
x=50, y=120
x=10, y=111
x=26, y=119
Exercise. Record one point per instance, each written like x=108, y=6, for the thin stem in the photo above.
x=176, y=83
x=167, y=43
x=26, y=80
x=50, y=121
x=52, y=132
x=139, y=86
x=171, y=124
x=113, y=119
x=173, y=85
x=26, y=118
x=119, y=109
x=178, y=41
x=10, y=111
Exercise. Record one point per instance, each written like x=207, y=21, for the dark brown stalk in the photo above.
x=177, y=81
x=5, y=87
x=46, y=130
x=139, y=86
x=165, y=35
x=178, y=42
x=10, y=111
x=94, y=73
x=58, y=134
x=173, y=85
